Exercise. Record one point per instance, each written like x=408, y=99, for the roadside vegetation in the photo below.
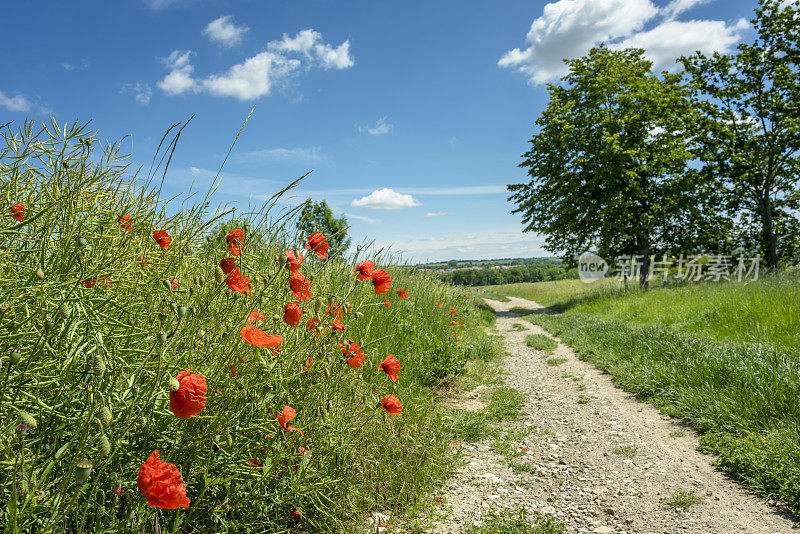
x=263, y=379
x=721, y=356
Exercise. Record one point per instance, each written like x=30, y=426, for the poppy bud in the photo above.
x=131, y=320
x=163, y=316
x=358, y=248
x=359, y=315
x=104, y=446
x=162, y=337
x=49, y=324
x=15, y=356
x=82, y=471
x=191, y=291
x=27, y=419
x=317, y=306
x=276, y=317
x=229, y=440
x=21, y=429
x=173, y=384
x=39, y=273
x=134, y=391
x=167, y=284
x=81, y=241
x=219, y=276
x=105, y=416
x=99, y=366
x=201, y=334
x=65, y=310
x=297, y=514
x=172, y=306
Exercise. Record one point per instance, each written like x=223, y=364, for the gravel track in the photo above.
x=598, y=459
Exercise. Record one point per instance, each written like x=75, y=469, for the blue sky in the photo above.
x=412, y=115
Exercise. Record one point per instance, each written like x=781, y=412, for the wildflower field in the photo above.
x=722, y=356
x=156, y=380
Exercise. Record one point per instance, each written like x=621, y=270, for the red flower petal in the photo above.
x=190, y=399
x=252, y=335
x=161, y=483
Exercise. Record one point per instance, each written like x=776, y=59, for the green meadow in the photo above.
x=721, y=356
x=102, y=316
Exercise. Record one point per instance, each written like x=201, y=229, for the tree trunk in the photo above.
x=770, y=239
x=644, y=268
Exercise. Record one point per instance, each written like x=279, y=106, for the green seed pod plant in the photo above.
x=182, y=311
x=27, y=419
x=99, y=366
x=103, y=446
x=219, y=275
x=83, y=469
x=15, y=356
x=105, y=416
x=65, y=310
x=39, y=273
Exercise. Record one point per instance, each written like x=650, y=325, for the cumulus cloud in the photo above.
x=381, y=127
x=435, y=213
x=141, y=91
x=569, y=28
x=83, y=65
x=15, y=103
x=256, y=76
x=224, y=32
x=385, y=199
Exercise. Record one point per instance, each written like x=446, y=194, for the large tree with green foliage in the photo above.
x=318, y=217
x=608, y=165
x=750, y=128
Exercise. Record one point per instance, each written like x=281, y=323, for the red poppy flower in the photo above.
x=104, y=281
x=309, y=363
x=292, y=313
x=235, y=241
x=334, y=310
x=238, y=282
x=18, y=211
x=125, y=222
x=162, y=238
x=312, y=324
x=386, y=302
x=297, y=514
x=452, y=310
x=256, y=315
x=259, y=338
x=382, y=281
x=161, y=483
x=301, y=287
x=355, y=353
x=390, y=366
x=293, y=261
x=287, y=415
x=142, y=261
x=453, y=323
x=365, y=270
x=174, y=284
x=439, y=304
x=318, y=243
x=392, y=405
x=338, y=326
x=228, y=265
x=190, y=399
x=402, y=293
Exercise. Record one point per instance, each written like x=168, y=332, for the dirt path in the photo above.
x=597, y=459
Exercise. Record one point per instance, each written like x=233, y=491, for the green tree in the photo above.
x=608, y=165
x=318, y=217
x=750, y=131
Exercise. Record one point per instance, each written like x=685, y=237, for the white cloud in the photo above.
x=284, y=154
x=671, y=39
x=381, y=127
x=179, y=80
x=158, y=5
x=75, y=66
x=256, y=76
x=368, y=220
x=15, y=103
x=676, y=7
x=224, y=32
x=569, y=28
x=142, y=91
x=309, y=44
x=435, y=213
x=385, y=199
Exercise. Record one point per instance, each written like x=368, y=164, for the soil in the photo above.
x=593, y=456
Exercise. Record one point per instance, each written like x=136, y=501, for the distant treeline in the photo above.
x=524, y=270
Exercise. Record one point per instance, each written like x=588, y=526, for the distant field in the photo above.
x=722, y=356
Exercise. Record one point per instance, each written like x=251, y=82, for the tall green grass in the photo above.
x=721, y=356
x=87, y=369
